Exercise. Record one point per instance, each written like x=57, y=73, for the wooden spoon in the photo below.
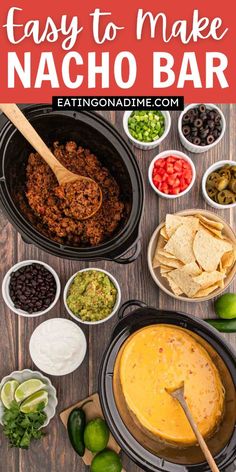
x=63, y=175
x=178, y=394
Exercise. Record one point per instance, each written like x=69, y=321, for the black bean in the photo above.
x=32, y=288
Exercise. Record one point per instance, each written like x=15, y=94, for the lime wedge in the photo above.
x=30, y=405
x=8, y=392
x=27, y=388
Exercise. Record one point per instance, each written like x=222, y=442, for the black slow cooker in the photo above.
x=91, y=131
x=160, y=456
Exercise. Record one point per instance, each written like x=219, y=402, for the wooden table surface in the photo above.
x=53, y=453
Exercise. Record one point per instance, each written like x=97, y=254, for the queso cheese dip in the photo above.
x=160, y=357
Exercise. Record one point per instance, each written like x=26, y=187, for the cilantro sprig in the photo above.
x=21, y=428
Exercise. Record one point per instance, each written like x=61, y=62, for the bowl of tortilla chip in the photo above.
x=192, y=255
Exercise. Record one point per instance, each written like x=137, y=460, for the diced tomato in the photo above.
x=165, y=188
x=171, y=180
x=157, y=179
x=183, y=184
x=170, y=160
x=155, y=172
x=161, y=171
x=176, y=183
x=178, y=166
x=175, y=191
x=170, y=169
x=165, y=177
x=172, y=175
x=160, y=163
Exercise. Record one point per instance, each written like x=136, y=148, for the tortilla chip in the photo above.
x=214, y=224
x=192, y=269
x=205, y=291
x=174, y=221
x=185, y=282
x=165, y=269
x=162, y=252
x=181, y=244
x=163, y=233
x=174, y=287
x=206, y=279
x=227, y=259
x=160, y=244
x=162, y=260
x=208, y=249
x=213, y=230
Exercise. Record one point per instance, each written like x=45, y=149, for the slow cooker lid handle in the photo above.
x=128, y=304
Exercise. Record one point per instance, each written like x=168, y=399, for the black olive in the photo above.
x=186, y=118
x=210, y=139
x=204, y=133
x=186, y=130
x=197, y=141
x=198, y=123
x=211, y=124
x=203, y=116
x=202, y=108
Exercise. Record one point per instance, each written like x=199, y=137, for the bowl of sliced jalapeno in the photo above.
x=219, y=184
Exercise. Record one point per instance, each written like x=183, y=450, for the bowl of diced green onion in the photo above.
x=146, y=129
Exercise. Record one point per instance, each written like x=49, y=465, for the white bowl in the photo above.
x=48, y=346
x=162, y=282
x=115, y=308
x=211, y=169
x=6, y=294
x=153, y=144
x=26, y=374
x=193, y=147
x=175, y=154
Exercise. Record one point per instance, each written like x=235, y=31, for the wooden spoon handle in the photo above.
x=16, y=116
x=200, y=438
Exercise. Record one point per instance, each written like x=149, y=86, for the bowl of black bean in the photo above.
x=201, y=126
x=31, y=288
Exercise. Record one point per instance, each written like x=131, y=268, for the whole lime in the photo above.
x=96, y=435
x=106, y=461
x=225, y=306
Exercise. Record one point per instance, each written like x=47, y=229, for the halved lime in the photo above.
x=30, y=405
x=8, y=392
x=27, y=388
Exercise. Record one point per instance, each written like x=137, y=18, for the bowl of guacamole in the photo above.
x=92, y=296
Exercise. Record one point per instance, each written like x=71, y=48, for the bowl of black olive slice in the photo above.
x=219, y=185
x=201, y=127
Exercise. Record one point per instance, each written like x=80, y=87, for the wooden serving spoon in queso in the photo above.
x=87, y=192
x=178, y=394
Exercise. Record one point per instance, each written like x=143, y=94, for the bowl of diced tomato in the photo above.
x=171, y=174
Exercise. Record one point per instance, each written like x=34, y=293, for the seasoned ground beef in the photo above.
x=42, y=195
x=80, y=199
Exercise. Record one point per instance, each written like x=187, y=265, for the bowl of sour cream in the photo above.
x=58, y=346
